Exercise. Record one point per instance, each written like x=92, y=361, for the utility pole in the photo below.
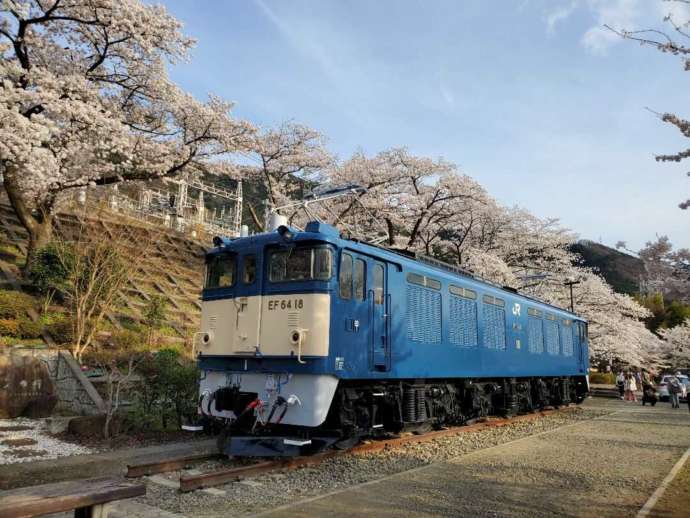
x=572, y=301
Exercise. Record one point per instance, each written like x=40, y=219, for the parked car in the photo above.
x=663, y=386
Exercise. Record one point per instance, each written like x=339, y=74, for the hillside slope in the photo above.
x=622, y=271
x=173, y=270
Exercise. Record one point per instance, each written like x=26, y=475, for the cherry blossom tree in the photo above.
x=426, y=206
x=677, y=346
x=674, y=41
x=667, y=271
x=288, y=161
x=372, y=211
x=86, y=100
x=412, y=200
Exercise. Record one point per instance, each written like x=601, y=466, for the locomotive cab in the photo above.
x=265, y=325
x=273, y=302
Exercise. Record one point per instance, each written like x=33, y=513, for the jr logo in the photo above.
x=516, y=309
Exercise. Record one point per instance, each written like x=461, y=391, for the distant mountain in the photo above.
x=622, y=271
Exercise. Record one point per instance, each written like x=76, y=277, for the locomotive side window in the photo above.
x=220, y=271
x=488, y=299
x=462, y=292
x=345, y=277
x=415, y=278
x=300, y=264
x=249, y=267
x=433, y=284
x=360, y=277
x=378, y=284
x=322, y=264
x=427, y=282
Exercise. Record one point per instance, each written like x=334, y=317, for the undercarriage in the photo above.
x=362, y=409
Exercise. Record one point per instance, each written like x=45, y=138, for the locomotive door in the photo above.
x=379, y=303
x=581, y=344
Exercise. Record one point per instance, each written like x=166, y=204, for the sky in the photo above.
x=534, y=99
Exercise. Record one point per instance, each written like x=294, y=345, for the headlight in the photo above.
x=296, y=336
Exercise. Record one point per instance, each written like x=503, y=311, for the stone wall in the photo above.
x=74, y=392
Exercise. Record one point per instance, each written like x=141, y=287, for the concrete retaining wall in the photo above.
x=75, y=393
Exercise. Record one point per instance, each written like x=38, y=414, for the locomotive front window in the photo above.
x=300, y=264
x=249, y=274
x=220, y=271
x=360, y=279
x=378, y=284
x=345, y=276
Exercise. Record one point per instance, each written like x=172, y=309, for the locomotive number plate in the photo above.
x=285, y=304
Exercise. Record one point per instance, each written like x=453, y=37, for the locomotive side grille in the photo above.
x=494, y=327
x=536, y=335
x=462, y=324
x=551, y=336
x=212, y=320
x=567, y=340
x=424, y=315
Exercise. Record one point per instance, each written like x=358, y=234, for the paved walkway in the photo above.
x=609, y=466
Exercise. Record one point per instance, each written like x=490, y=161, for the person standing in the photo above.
x=674, y=390
x=630, y=387
x=620, y=383
x=683, y=388
x=648, y=390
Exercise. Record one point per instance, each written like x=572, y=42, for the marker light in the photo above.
x=285, y=232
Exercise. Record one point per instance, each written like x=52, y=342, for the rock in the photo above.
x=58, y=424
x=250, y=483
x=25, y=387
x=92, y=425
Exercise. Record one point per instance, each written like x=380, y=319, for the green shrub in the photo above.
x=50, y=269
x=602, y=378
x=127, y=339
x=29, y=329
x=130, y=323
x=9, y=327
x=170, y=387
x=60, y=330
x=139, y=418
x=168, y=331
x=15, y=304
x=154, y=313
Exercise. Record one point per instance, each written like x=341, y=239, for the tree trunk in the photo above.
x=391, y=232
x=255, y=218
x=39, y=225
x=38, y=238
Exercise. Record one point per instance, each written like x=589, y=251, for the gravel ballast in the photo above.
x=270, y=490
x=28, y=440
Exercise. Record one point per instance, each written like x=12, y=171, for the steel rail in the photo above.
x=161, y=466
x=223, y=476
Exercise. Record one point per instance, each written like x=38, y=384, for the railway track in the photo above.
x=191, y=482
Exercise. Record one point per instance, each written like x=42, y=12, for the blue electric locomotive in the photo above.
x=309, y=339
